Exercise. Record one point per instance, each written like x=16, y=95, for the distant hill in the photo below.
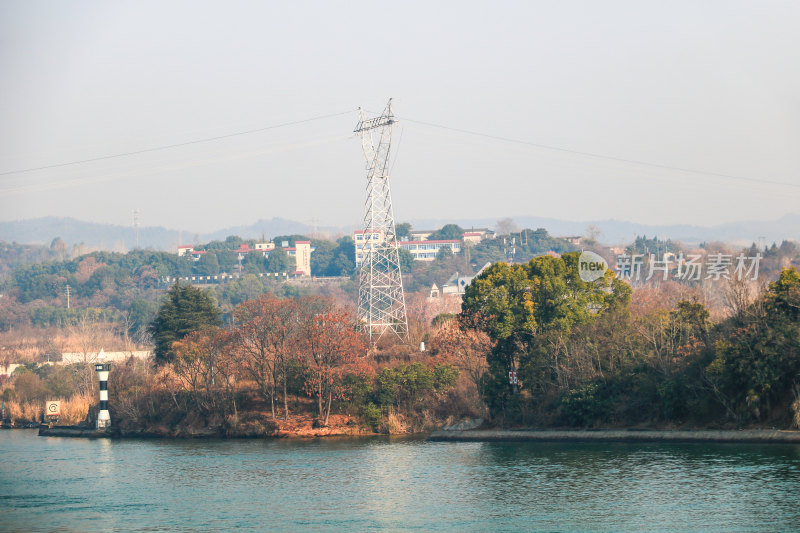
x=616, y=231
x=72, y=231
x=122, y=238
x=270, y=228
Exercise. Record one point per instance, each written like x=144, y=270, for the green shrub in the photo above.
x=371, y=415
x=581, y=407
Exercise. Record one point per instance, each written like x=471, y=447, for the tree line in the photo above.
x=582, y=356
x=279, y=348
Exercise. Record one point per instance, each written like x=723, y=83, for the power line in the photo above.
x=421, y=122
x=599, y=156
x=176, y=145
x=33, y=186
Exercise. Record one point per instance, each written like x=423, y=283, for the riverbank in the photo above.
x=618, y=435
x=296, y=427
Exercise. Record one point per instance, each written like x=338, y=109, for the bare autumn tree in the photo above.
x=228, y=368
x=203, y=366
x=467, y=348
x=279, y=321
x=253, y=344
x=267, y=340
x=88, y=334
x=333, y=349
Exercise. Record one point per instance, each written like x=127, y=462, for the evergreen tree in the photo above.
x=525, y=309
x=447, y=232
x=403, y=231
x=208, y=265
x=407, y=260
x=445, y=252
x=279, y=261
x=185, y=309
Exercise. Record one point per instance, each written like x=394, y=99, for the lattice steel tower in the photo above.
x=381, y=302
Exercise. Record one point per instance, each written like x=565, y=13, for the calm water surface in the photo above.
x=57, y=484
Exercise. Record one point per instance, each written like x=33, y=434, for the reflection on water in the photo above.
x=381, y=483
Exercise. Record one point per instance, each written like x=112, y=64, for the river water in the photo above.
x=60, y=484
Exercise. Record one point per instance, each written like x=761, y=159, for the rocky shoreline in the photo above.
x=205, y=433
x=618, y=435
x=297, y=427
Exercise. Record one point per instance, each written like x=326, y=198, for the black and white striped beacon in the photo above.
x=103, y=418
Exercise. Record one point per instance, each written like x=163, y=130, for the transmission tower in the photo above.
x=381, y=302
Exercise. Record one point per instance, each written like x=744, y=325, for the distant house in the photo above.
x=617, y=250
x=472, y=237
x=434, y=291
x=183, y=250
x=457, y=283
x=476, y=235
x=6, y=369
x=420, y=234
x=574, y=239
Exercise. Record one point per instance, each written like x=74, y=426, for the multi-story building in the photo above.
x=427, y=250
x=363, y=240
x=301, y=252
x=420, y=250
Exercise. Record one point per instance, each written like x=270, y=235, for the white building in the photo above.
x=68, y=358
x=476, y=235
x=420, y=250
x=301, y=252
x=363, y=240
x=427, y=250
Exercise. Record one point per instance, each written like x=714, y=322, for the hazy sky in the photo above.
x=712, y=86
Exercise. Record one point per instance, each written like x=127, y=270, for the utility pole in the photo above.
x=381, y=301
x=136, y=225
x=67, y=291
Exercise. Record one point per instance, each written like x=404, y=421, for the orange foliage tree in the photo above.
x=205, y=368
x=333, y=349
x=254, y=341
x=269, y=330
